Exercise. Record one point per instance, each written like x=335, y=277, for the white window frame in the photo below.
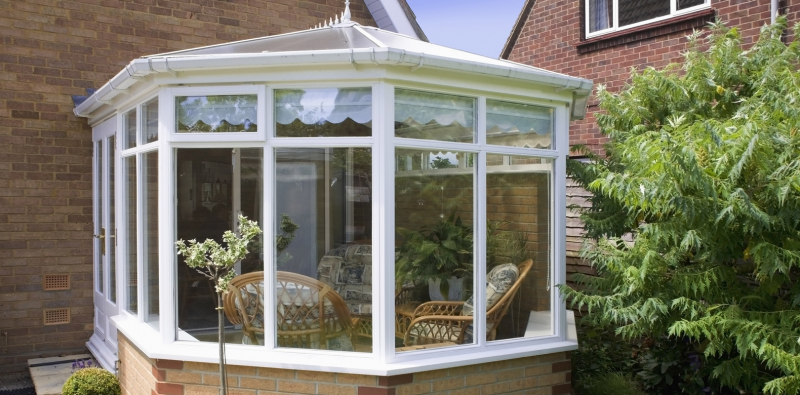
x=261, y=117
x=674, y=12
x=383, y=360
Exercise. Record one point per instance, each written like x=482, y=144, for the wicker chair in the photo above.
x=442, y=322
x=309, y=313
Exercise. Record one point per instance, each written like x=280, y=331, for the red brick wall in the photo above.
x=50, y=51
x=540, y=375
x=549, y=36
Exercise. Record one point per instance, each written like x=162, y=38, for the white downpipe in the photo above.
x=773, y=11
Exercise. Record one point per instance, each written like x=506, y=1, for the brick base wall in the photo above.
x=540, y=375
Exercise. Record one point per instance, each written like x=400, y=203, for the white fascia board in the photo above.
x=140, y=68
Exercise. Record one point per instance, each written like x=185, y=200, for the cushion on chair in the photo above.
x=498, y=281
x=348, y=270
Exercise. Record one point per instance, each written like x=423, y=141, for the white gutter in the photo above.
x=140, y=68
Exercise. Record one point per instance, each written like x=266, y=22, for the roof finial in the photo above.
x=336, y=21
x=331, y=22
x=346, y=14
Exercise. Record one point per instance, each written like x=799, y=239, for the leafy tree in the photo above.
x=695, y=214
x=217, y=262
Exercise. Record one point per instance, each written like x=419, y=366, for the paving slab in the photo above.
x=50, y=374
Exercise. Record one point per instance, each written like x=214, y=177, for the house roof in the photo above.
x=517, y=29
x=395, y=16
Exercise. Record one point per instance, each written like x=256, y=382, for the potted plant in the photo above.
x=442, y=251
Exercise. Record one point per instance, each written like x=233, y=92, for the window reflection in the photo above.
x=216, y=114
x=150, y=121
x=434, y=116
x=150, y=216
x=518, y=260
x=518, y=125
x=324, y=199
x=131, y=265
x=213, y=185
x=434, y=197
x=330, y=112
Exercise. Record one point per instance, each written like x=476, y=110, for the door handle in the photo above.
x=102, y=238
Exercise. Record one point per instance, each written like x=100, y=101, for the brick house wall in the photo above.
x=548, y=35
x=52, y=50
x=541, y=375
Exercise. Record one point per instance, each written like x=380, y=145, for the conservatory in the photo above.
x=411, y=198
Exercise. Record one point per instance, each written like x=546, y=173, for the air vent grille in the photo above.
x=56, y=316
x=55, y=282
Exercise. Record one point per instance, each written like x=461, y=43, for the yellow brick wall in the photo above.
x=539, y=375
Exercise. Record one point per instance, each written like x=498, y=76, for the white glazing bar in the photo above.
x=479, y=312
x=481, y=124
x=236, y=185
x=268, y=233
x=167, y=262
x=119, y=232
x=383, y=222
x=558, y=214
x=615, y=23
x=322, y=142
x=141, y=273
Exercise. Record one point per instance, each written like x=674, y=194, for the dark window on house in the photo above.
x=602, y=14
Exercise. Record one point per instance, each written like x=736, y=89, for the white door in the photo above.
x=103, y=343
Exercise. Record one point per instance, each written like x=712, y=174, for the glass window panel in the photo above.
x=98, y=149
x=601, y=13
x=434, y=199
x=212, y=186
x=112, y=245
x=150, y=216
x=330, y=112
x=150, y=121
x=634, y=11
x=434, y=116
x=326, y=193
x=130, y=264
x=518, y=125
x=518, y=259
x=129, y=129
x=683, y=4
x=216, y=114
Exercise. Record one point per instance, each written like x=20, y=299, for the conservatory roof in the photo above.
x=342, y=36
x=338, y=43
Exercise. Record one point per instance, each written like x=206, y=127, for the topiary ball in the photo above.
x=92, y=381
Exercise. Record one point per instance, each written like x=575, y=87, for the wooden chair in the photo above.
x=310, y=314
x=442, y=322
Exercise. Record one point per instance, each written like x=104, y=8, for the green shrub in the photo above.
x=607, y=384
x=92, y=381
x=695, y=217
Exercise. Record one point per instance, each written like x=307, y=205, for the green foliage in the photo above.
x=439, y=251
x=696, y=211
x=213, y=260
x=284, y=238
x=92, y=381
x=607, y=384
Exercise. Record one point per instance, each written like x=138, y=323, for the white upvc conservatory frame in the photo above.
x=383, y=360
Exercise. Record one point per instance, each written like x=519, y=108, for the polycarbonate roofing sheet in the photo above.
x=308, y=40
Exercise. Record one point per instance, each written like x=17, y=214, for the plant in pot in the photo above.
x=433, y=253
